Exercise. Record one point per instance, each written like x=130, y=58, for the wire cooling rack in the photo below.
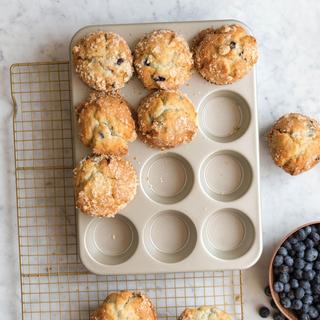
x=54, y=283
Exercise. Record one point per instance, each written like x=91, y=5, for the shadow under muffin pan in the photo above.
x=197, y=206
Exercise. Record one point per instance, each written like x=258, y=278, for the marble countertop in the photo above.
x=288, y=72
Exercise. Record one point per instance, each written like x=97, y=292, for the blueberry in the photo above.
x=283, y=268
x=146, y=62
x=305, y=308
x=294, y=283
x=304, y=316
x=159, y=78
x=316, y=288
x=287, y=245
x=309, y=243
x=282, y=295
x=278, y=316
x=313, y=312
x=316, y=298
x=296, y=304
x=307, y=299
x=308, y=266
x=291, y=295
x=304, y=284
x=264, y=312
x=317, y=278
x=308, y=291
x=288, y=261
x=299, y=246
x=286, y=302
x=299, y=263
x=283, y=251
x=119, y=61
x=315, y=236
x=299, y=293
x=314, y=228
x=278, y=260
x=307, y=230
x=316, y=265
x=267, y=291
x=284, y=277
x=300, y=254
x=278, y=286
x=293, y=240
x=291, y=253
x=301, y=234
x=311, y=255
x=272, y=304
x=286, y=288
x=232, y=45
x=317, y=307
x=308, y=275
x=298, y=274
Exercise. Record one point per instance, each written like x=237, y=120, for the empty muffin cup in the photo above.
x=225, y=175
x=111, y=241
x=224, y=116
x=167, y=178
x=170, y=236
x=228, y=234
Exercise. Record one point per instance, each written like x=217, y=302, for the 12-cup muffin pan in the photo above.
x=197, y=206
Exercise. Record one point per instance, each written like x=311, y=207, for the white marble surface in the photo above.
x=288, y=80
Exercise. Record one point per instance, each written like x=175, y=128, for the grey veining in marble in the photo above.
x=288, y=80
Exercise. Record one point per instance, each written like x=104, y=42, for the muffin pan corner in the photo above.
x=197, y=206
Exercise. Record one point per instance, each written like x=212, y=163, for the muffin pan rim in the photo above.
x=206, y=263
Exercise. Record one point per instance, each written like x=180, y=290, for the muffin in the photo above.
x=163, y=60
x=103, y=60
x=166, y=119
x=106, y=124
x=224, y=55
x=104, y=185
x=294, y=142
x=204, y=313
x=125, y=305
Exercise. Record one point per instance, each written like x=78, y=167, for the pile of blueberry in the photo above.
x=296, y=269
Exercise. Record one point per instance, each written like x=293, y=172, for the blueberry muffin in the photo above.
x=204, y=313
x=104, y=185
x=103, y=60
x=163, y=60
x=224, y=55
x=166, y=119
x=106, y=124
x=294, y=142
x=125, y=305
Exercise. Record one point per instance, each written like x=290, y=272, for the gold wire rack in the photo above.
x=54, y=283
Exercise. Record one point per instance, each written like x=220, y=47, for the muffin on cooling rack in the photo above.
x=224, y=55
x=103, y=60
x=106, y=124
x=166, y=119
x=125, y=305
x=104, y=185
x=294, y=142
x=163, y=60
x=204, y=313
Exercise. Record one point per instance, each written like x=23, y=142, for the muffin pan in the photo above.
x=197, y=206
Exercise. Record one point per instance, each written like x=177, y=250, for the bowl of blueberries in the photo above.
x=294, y=274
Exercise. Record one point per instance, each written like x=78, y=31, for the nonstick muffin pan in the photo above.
x=197, y=206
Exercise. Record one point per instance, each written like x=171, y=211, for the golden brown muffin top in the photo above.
x=125, y=305
x=103, y=60
x=204, y=313
x=163, y=60
x=294, y=142
x=104, y=185
x=224, y=55
x=166, y=119
x=106, y=124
